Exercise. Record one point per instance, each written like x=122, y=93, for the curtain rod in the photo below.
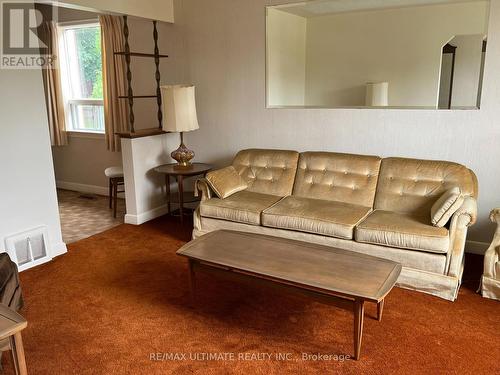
x=78, y=22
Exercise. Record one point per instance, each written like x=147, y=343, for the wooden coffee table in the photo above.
x=340, y=277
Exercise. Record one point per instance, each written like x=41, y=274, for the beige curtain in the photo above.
x=114, y=82
x=52, y=86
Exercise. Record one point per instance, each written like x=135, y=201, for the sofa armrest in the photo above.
x=465, y=216
x=201, y=185
x=467, y=212
x=492, y=255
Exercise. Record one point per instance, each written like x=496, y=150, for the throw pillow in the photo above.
x=225, y=182
x=444, y=208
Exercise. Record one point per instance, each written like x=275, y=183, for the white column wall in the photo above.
x=145, y=188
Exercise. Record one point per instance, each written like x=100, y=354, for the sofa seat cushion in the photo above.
x=402, y=231
x=242, y=207
x=328, y=218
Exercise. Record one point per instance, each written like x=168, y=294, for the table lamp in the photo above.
x=179, y=115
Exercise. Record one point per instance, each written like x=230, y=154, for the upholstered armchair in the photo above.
x=490, y=283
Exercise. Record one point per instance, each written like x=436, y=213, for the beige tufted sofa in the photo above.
x=490, y=282
x=361, y=203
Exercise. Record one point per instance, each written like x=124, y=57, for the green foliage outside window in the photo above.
x=89, y=55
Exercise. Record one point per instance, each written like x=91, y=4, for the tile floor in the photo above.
x=83, y=215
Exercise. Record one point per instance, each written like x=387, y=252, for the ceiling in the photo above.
x=325, y=7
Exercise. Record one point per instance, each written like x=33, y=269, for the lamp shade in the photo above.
x=377, y=94
x=179, y=108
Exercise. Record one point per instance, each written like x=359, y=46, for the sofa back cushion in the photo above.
x=337, y=177
x=267, y=171
x=412, y=186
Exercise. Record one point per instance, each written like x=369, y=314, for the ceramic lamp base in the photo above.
x=183, y=155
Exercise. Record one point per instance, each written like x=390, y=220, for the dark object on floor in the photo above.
x=10, y=290
x=90, y=197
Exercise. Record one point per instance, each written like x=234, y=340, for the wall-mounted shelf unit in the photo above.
x=130, y=92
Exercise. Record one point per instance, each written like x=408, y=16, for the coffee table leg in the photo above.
x=380, y=310
x=359, y=312
x=192, y=281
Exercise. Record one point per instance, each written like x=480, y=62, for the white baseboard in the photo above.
x=476, y=247
x=146, y=216
x=84, y=188
x=58, y=249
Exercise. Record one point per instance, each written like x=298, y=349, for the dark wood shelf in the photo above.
x=188, y=197
x=186, y=211
x=139, y=54
x=174, y=169
x=141, y=133
x=138, y=96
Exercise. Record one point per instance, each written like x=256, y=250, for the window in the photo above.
x=81, y=76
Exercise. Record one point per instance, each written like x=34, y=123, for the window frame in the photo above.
x=68, y=99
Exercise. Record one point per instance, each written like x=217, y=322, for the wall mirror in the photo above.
x=376, y=54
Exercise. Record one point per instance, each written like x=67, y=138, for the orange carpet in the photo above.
x=120, y=296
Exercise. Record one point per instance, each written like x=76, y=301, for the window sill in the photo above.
x=83, y=134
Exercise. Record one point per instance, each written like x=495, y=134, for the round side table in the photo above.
x=180, y=172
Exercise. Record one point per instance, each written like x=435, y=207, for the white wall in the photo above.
x=80, y=165
x=161, y=10
x=286, y=58
x=401, y=46
x=227, y=64
x=145, y=188
x=27, y=188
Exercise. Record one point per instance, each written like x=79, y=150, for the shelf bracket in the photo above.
x=129, y=76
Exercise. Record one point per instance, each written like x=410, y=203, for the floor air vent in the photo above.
x=89, y=197
x=29, y=249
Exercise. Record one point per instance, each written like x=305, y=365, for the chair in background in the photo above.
x=115, y=176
